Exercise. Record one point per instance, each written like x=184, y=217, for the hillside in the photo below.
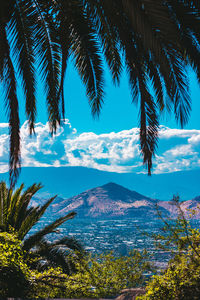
x=113, y=200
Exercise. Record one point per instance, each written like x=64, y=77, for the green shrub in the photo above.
x=99, y=276
x=18, y=280
x=14, y=273
x=48, y=284
x=181, y=279
x=17, y=215
x=107, y=275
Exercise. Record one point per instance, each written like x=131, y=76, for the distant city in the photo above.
x=114, y=218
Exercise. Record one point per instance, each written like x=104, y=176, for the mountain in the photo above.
x=69, y=181
x=109, y=200
x=112, y=201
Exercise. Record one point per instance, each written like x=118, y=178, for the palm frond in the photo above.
x=165, y=35
x=3, y=203
x=58, y=253
x=32, y=217
x=24, y=55
x=48, y=57
x=22, y=204
x=181, y=97
x=85, y=51
x=31, y=241
x=64, y=32
x=102, y=23
x=148, y=124
x=70, y=243
x=11, y=210
x=9, y=83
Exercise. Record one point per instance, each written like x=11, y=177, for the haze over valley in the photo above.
x=67, y=182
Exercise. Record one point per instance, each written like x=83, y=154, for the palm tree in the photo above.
x=16, y=213
x=156, y=41
x=29, y=40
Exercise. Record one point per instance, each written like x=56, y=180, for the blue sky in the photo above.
x=118, y=112
x=110, y=143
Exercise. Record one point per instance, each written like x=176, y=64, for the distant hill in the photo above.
x=112, y=200
x=69, y=181
x=109, y=200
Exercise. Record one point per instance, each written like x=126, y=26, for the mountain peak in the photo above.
x=113, y=200
x=113, y=185
x=116, y=191
x=108, y=200
x=119, y=191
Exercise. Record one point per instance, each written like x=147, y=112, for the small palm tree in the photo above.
x=17, y=214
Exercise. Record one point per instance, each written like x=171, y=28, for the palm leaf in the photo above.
x=97, y=13
x=32, y=217
x=148, y=124
x=31, y=241
x=48, y=56
x=23, y=203
x=58, y=253
x=24, y=54
x=9, y=83
x=85, y=51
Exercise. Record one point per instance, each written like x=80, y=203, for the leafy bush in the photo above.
x=106, y=275
x=48, y=284
x=181, y=280
x=14, y=272
x=99, y=276
x=16, y=277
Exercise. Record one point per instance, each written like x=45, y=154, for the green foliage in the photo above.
x=35, y=267
x=14, y=272
x=18, y=280
x=99, y=276
x=17, y=214
x=50, y=283
x=107, y=275
x=181, y=279
x=178, y=233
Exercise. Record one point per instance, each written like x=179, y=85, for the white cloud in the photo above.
x=108, y=152
x=182, y=150
x=195, y=139
x=114, y=152
x=4, y=125
x=167, y=133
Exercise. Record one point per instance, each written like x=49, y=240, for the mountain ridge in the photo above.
x=112, y=200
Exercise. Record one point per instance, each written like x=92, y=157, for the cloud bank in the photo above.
x=113, y=152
